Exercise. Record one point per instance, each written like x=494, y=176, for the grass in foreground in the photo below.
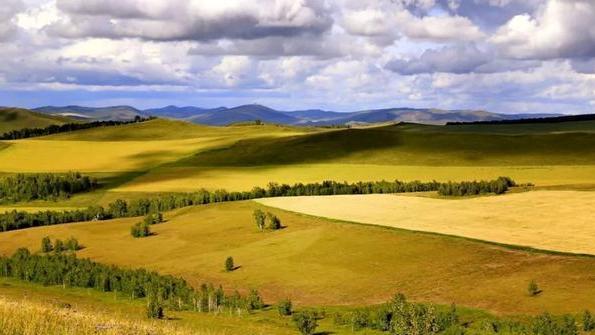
x=318, y=262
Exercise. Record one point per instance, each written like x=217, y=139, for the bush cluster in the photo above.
x=72, y=244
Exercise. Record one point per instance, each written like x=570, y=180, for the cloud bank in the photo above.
x=501, y=55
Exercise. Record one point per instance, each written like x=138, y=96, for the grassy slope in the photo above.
x=16, y=118
x=318, y=262
x=89, y=308
x=397, y=145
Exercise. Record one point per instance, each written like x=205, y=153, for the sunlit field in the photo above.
x=533, y=219
x=318, y=262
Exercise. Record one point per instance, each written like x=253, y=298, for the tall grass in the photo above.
x=31, y=318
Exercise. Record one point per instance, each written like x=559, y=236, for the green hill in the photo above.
x=408, y=144
x=17, y=118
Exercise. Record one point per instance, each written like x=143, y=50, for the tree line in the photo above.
x=162, y=291
x=498, y=186
x=43, y=186
x=14, y=220
x=54, y=129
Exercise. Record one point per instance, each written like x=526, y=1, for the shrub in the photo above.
x=140, y=230
x=533, y=288
x=588, y=322
x=254, y=300
x=59, y=246
x=274, y=222
x=285, y=307
x=229, y=264
x=46, y=244
x=259, y=218
x=305, y=322
x=154, y=309
x=72, y=244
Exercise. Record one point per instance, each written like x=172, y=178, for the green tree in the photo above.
x=259, y=218
x=229, y=266
x=285, y=307
x=254, y=300
x=588, y=322
x=533, y=288
x=59, y=246
x=154, y=309
x=72, y=244
x=273, y=221
x=46, y=244
x=305, y=322
x=140, y=230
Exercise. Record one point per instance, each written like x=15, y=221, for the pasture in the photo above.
x=319, y=262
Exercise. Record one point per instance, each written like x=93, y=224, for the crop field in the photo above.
x=533, y=219
x=301, y=261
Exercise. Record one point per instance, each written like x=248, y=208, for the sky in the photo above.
x=505, y=56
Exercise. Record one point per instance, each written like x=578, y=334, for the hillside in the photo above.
x=17, y=118
x=115, y=113
x=242, y=114
x=408, y=145
x=312, y=117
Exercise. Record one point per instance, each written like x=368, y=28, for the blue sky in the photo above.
x=506, y=56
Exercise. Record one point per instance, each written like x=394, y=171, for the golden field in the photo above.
x=535, y=219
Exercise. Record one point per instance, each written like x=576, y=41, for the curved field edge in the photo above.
x=531, y=219
x=316, y=262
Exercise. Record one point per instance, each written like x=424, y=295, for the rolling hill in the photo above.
x=17, y=118
x=221, y=116
x=115, y=113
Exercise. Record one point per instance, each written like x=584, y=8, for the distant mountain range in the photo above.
x=314, y=117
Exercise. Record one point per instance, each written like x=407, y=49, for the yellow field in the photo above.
x=164, y=179
x=535, y=219
x=128, y=148
x=317, y=262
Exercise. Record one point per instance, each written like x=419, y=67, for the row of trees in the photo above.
x=43, y=186
x=54, y=129
x=498, y=186
x=72, y=244
x=120, y=208
x=161, y=290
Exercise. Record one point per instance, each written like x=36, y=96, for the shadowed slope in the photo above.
x=407, y=145
x=16, y=118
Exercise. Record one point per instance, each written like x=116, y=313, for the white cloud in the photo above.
x=559, y=29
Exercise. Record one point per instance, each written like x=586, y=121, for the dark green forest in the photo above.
x=43, y=186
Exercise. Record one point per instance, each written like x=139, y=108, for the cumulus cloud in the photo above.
x=559, y=29
x=464, y=58
x=8, y=10
x=500, y=55
x=199, y=20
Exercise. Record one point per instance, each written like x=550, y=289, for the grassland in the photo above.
x=16, y=118
x=318, y=262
